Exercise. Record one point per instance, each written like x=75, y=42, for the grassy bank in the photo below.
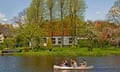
x=72, y=52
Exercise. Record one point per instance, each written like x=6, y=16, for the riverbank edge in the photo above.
x=72, y=52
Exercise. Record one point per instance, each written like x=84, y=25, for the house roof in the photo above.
x=4, y=28
x=56, y=25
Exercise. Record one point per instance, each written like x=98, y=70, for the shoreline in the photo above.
x=72, y=52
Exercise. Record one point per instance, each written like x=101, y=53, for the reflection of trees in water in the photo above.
x=37, y=63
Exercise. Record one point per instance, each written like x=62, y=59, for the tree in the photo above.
x=50, y=4
x=76, y=9
x=91, y=33
x=114, y=13
x=114, y=18
x=35, y=20
x=32, y=21
x=20, y=27
x=31, y=29
x=49, y=44
x=62, y=25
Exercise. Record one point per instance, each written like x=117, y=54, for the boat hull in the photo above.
x=73, y=68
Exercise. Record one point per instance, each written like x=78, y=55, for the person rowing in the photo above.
x=84, y=63
x=73, y=63
x=65, y=63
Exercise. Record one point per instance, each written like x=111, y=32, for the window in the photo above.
x=59, y=40
x=53, y=40
x=45, y=40
x=70, y=40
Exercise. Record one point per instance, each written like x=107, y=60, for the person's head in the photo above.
x=84, y=60
x=65, y=61
x=73, y=60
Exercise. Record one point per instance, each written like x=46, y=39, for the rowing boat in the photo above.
x=73, y=68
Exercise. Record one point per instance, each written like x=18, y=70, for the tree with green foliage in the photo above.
x=20, y=27
x=31, y=28
x=91, y=33
x=62, y=25
x=49, y=44
x=76, y=8
x=31, y=22
x=9, y=43
x=35, y=20
x=50, y=5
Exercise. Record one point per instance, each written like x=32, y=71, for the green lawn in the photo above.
x=72, y=52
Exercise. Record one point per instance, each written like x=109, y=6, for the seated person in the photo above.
x=65, y=63
x=73, y=63
x=84, y=63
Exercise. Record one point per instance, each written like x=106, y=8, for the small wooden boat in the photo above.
x=73, y=68
x=9, y=52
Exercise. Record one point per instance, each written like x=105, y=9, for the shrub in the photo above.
x=2, y=46
x=26, y=49
x=49, y=44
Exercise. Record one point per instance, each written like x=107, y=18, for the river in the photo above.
x=45, y=63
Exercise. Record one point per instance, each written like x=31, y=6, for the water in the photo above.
x=26, y=64
x=45, y=63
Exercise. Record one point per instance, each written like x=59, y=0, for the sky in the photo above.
x=96, y=9
x=11, y=8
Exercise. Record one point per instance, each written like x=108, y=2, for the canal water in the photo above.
x=45, y=63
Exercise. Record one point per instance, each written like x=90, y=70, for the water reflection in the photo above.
x=26, y=64
x=45, y=63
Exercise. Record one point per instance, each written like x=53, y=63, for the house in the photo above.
x=4, y=31
x=67, y=40
x=1, y=38
x=57, y=34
